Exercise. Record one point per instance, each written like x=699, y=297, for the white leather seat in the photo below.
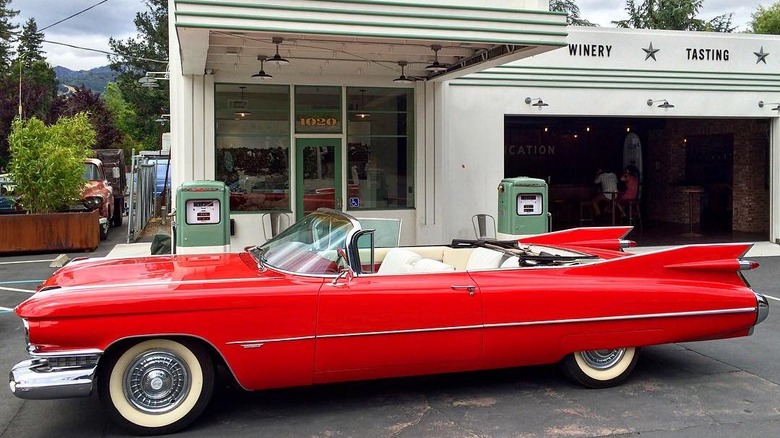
x=511, y=262
x=398, y=261
x=483, y=258
x=431, y=265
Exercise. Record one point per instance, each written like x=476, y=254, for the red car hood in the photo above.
x=156, y=284
x=156, y=269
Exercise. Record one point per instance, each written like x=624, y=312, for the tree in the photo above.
x=47, y=162
x=672, y=15
x=39, y=86
x=84, y=101
x=136, y=56
x=572, y=12
x=30, y=47
x=38, y=80
x=7, y=34
x=123, y=115
x=766, y=20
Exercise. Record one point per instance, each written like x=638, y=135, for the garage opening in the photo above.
x=709, y=175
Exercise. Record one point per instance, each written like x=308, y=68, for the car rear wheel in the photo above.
x=600, y=368
x=157, y=386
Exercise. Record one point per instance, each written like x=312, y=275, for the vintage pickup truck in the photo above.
x=98, y=194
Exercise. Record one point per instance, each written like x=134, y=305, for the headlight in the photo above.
x=93, y=202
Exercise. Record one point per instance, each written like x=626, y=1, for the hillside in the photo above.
x=95, y=79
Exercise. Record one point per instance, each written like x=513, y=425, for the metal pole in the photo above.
x=20, y=87
x=130, y=220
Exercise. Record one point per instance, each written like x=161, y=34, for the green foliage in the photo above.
x=47, y=162
x=672, y=15
x=766, y=20
x=30, y=47
x=39, y=87
x=136, y=56
x=123, y=115
x=572, y=12
x=7, y=34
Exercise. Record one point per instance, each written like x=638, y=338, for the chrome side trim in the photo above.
x=504, y=325
x=266, y=341
x=762, y=308
x=401, y=332
x=67, y=353
x=626, y=317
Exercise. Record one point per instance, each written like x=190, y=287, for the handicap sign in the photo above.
x=354, y=202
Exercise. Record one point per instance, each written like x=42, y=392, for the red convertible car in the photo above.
x=320, y=304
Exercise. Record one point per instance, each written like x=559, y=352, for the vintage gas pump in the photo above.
x=522, y=207
x=202, y=218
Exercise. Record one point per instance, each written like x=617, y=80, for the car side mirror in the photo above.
x=347, y=274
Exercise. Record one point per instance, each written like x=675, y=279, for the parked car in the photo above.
x=320, y=303
x=98, y=194
x=8, y=202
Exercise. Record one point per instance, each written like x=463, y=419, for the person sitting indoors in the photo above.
x=607, y=184
x=630, y=179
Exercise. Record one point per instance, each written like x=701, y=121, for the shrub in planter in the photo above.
x=47, y=161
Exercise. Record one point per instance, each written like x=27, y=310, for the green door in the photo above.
x=318, y=177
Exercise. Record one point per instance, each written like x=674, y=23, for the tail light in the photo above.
x=746, y=265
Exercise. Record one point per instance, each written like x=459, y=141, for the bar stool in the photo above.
x=634, y=212
x=586, y=212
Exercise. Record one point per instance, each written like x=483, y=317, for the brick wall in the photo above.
x=664, y=195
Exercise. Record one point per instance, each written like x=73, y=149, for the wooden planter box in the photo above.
x=49, y=232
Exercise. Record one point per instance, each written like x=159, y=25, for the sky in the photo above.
x=91, y=29
x=114, y=18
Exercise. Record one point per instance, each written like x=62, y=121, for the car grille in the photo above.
x=71, y=361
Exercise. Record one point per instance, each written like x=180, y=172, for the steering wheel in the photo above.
x=341, y=260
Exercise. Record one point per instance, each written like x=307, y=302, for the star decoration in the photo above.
x=650, y=52
x=761, y=55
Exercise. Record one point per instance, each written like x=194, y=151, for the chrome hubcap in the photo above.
x=157, y=382
x=603, y=359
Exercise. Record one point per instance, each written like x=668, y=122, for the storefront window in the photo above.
x=253, y=145
x=317, y=110
x=380, y=157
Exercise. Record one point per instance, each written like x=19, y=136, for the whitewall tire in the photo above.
x=156, y=386
x=600, y=368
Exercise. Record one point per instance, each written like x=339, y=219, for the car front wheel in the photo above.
x=157, y=386
x=600, y=368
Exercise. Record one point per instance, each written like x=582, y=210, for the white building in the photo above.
x=333, y=128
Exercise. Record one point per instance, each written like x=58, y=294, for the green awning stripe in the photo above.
x=610, y=86
x=378, y=3
x=491, y=74
x=417, y=26
x=620, y=71
x=527, y=42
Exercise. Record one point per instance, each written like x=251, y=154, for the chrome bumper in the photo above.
x=762, y=307
x=54, y=377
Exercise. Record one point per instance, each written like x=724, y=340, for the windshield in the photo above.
x=311, y=245
x=91, y=172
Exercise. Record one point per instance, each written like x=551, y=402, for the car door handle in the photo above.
x=470, y=288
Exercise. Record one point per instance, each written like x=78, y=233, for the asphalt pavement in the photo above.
x=710, y=389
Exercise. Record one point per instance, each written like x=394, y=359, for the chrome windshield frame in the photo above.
x=348, y=237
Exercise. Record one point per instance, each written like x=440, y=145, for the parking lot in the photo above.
x=706, y=389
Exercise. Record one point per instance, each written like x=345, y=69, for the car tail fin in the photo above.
x=611, y=238
x=714, y=262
